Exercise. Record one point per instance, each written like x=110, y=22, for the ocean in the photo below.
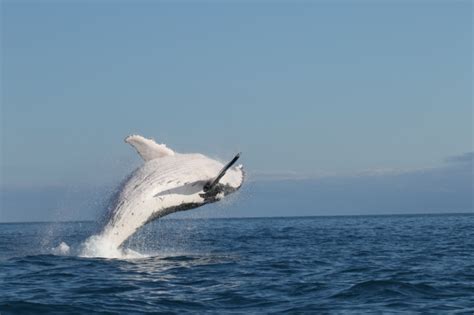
x=294, y=265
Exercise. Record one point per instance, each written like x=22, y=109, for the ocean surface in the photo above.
x=359, y=264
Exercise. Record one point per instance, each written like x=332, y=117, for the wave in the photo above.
x=387, y=288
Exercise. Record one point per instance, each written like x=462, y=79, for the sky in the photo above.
x=305, y=90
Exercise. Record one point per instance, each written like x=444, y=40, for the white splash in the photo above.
x=97, y=246
x=62, y=249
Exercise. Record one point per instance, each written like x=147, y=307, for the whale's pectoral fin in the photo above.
x=212, y=183
x=148, y=148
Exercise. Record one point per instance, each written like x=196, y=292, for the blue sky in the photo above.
x=306, y=88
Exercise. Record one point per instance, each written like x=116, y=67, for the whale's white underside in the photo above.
x=167, y=182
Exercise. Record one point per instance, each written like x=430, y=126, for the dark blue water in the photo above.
x=274, y=265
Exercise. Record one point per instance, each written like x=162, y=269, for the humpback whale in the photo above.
x=167, y=182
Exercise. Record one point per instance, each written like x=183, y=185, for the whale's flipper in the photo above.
x=210, y=184
x=148, y=148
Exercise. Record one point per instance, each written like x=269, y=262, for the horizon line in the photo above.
x=468, y=212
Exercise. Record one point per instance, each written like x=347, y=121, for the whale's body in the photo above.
x=167, y=182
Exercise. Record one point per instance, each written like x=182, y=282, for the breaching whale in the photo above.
x=167, y=182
